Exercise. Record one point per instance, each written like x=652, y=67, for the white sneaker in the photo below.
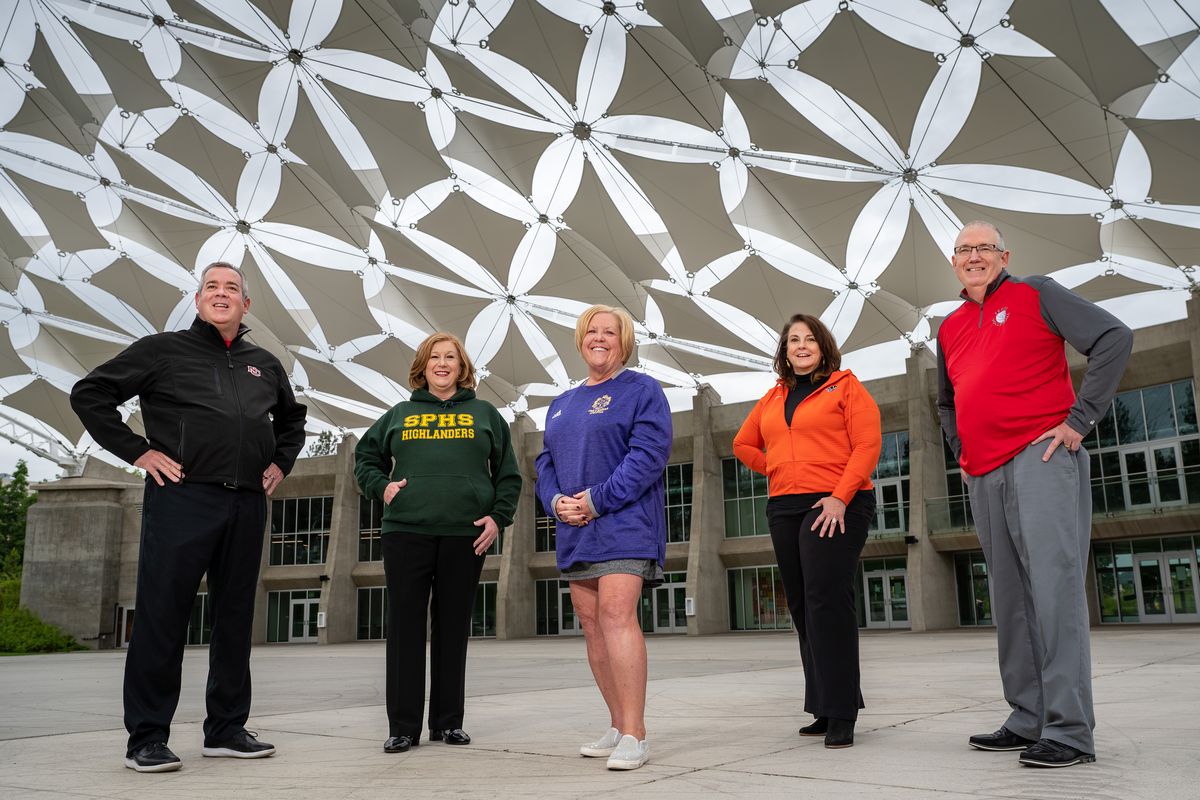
x=629, y=754
x=602, y=747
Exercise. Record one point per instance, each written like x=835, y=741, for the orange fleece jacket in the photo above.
x=832, y=445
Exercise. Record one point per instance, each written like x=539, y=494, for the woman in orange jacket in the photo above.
x=816, y=436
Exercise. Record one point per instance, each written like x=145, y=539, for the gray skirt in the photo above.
x=648, y=569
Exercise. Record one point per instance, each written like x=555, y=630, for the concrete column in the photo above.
x=1193, y=333
x=514, y=590
x=339, y=595
x=72, y=565
x=932, y=602
x=706, y=584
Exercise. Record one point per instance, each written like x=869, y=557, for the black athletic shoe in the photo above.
x=1049, y=753
x=242, y=744
x=153, y=757
x=1003, y=739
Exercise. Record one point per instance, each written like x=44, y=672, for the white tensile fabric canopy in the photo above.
x=382, y=169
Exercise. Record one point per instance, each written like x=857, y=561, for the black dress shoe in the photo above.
x=1049, y=753
x=450, y=736
x=819, y=727
x=840, y=734
x=1003, y=739
x=399, y=744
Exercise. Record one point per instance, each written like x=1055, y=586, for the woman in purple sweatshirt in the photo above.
x=601, y=475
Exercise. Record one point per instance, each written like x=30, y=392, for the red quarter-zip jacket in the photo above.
x=1003, y=378
x=831, y=446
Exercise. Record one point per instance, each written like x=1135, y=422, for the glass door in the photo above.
x=669, y=614
x=889, y=507
x=568, y=623
x=1135, y=464
x=1153, y=476
x=304, y=619
x=887, y=598
x=1181, y=586
x=877, y=608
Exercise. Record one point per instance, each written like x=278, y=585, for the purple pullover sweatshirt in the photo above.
x=614, y=439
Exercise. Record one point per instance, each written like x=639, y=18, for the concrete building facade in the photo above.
x=322, y=574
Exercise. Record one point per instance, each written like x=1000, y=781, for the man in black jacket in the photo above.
x=222, y=429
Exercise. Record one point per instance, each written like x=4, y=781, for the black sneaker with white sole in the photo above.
x=1049, y=753
x=152, y=757
x=242, y=744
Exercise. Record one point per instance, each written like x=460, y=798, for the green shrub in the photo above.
x=22, y=632
x=10, y=594
x=20, y=629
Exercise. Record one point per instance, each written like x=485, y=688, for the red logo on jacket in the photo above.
x=253, y=370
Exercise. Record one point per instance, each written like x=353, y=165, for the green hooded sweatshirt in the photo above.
x=458, y=460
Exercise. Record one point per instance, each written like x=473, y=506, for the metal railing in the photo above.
x=887, y=516
x=1126, y=495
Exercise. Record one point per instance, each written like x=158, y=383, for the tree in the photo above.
x=326, y=444
x=15, y=500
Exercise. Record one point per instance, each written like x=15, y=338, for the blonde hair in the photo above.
x=416, y=374
x=624, y=328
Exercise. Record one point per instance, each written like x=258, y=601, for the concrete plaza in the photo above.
x=722, y=714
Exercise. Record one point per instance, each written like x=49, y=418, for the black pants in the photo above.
x=188, y=530
x=415, y=566
x=818, y=578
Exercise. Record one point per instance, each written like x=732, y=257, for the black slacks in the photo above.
x=189, y=530
x=417, y=566
x=818, y=578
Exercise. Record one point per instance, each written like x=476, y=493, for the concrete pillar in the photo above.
x=72, y=565
x=932, y=602
x=706, y=584
x=514, y=590
x=339, y=594
x=1193, y=333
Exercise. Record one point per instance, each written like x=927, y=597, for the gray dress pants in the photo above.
x=1034, y=521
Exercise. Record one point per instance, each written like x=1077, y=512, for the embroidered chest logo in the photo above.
x=253, y=370
x=557, y=414
x=601, y=405
x=831, y=388
x=1001, y=317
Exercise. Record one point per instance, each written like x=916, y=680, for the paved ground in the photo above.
x=723, y=713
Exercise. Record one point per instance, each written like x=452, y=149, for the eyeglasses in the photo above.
x=965, y=249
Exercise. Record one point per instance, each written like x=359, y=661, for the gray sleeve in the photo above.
x=1104, y=339
x=945, y=406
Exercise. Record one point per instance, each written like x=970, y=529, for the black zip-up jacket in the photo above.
x=225, y=414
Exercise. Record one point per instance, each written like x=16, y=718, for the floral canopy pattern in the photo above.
x=385, y=168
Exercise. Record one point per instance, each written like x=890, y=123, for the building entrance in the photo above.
x=1166, y=586
x=887, y=598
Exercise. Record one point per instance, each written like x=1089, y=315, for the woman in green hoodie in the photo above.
x=443, y=465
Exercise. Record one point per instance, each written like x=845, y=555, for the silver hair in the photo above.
x=985, y=224
x=225, y=265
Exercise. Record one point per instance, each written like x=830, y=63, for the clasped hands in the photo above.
x=574, y=510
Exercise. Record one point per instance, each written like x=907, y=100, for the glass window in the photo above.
x=973, y=589
x=745, y=500
x=546, y=595
x=483, y=616
x=1185, y=407
x=199, y=630
x=372, y=612
x=1131, y=422
x=370, y=525
x=757, y=600
x=543, y=528
x=1160, y=413
x=303, y=536
x=679, y=502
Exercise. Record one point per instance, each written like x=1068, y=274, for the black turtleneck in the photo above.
x=804, y=387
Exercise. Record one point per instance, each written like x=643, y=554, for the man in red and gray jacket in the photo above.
x=1016, y=425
